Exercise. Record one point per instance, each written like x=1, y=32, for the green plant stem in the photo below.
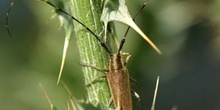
x=90, y=51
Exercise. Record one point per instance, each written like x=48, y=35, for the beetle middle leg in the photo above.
x=97, y=68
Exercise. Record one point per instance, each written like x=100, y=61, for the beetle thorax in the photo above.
x=116, y=62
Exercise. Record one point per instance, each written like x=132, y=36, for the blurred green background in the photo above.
x=187, y=32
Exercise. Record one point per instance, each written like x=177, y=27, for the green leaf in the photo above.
x=116, y=10
x=52, y=106
x=87, y=13
x=67, y=23
x=89, y=106
x=155, y=93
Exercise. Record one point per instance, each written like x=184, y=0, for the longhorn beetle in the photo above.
x=117, y=73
